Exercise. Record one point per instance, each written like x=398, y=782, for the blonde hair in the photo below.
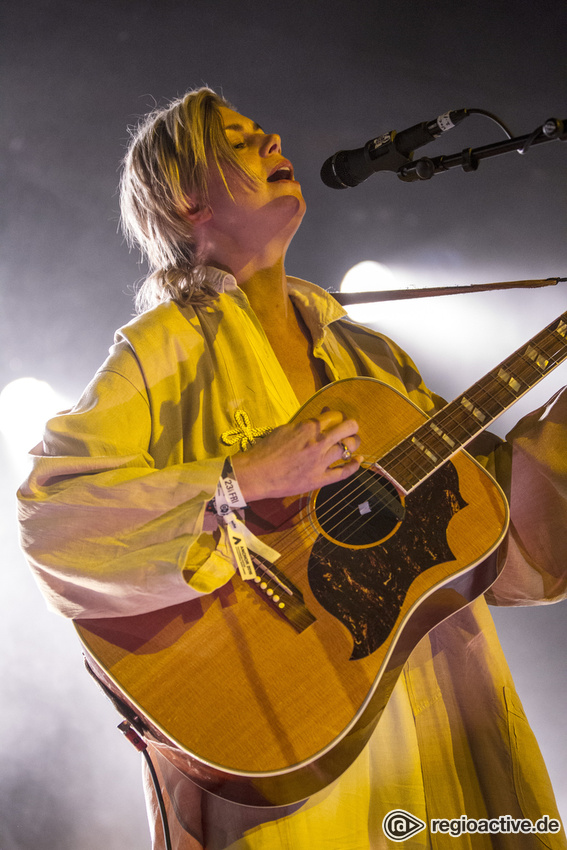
x=164, y=177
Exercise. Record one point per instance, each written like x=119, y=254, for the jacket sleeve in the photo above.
x=534, y=554
x=531, y=468
x=105, y=531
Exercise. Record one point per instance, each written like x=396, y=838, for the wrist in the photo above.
x=228, y=496
x=248, y=481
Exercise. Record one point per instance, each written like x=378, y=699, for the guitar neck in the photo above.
x=415, y=458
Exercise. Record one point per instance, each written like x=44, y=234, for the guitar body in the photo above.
x=264, y=703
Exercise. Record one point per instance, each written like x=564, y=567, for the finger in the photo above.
x=344, y=450
x=350, y=445
x=338, y=453
x=345, y=470
x=326, y=420
x=342, y=431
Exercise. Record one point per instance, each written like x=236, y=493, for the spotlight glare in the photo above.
x=365, y=277
x=25, y=405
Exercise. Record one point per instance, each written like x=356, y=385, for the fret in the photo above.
x=509, y=381
x=423, y=448
x=408, y=466
x=449, y=441
x=459, y=422
x=474, y=411
x=437, y=440
x=538, y=357
x=533, y=363
x=493, y=395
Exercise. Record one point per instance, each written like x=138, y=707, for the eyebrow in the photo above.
x=240, y=129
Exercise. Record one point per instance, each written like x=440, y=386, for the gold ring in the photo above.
x=346, y=452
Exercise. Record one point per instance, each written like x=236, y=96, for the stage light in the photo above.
x=408, y=321
x=365, y=277
x=25, y=406
x=443, y=334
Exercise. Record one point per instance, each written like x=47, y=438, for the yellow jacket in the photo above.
x=113, y=523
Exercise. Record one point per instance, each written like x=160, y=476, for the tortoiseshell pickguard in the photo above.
x=365, y=588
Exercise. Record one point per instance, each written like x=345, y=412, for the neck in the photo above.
x=253, y=251
x=245, y=261
x=266, y=289
x=261, y=276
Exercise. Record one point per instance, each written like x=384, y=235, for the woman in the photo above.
x=116, y=514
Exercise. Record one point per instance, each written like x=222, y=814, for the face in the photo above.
x=273, y=205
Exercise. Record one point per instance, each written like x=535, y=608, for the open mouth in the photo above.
x=284, y=172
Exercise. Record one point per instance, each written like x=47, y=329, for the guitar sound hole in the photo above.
x=360, y=511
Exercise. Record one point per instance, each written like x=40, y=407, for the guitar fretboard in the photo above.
x=415, y=458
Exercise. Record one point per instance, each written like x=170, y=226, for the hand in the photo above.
x=298, y=457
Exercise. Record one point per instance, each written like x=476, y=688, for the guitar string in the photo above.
x=483, y=385
x=526, y=365
x=453, y=413
x=526, y=371
x=402, y=453
x=357, y=524
x=526, y=368
x=529, y=366
x=361, y=523
x=271, y=582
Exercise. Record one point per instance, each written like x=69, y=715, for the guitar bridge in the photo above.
x=281, y=594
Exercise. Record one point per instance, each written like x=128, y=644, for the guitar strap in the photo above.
x=346, y=298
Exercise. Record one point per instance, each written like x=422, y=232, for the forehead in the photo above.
x=232, y=120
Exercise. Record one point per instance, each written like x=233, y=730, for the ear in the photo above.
x=198, y=214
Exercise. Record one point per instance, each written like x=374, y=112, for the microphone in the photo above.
x=387, y=152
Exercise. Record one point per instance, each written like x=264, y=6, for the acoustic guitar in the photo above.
x=265, y=691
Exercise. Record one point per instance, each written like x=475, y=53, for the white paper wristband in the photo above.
x=228, y=496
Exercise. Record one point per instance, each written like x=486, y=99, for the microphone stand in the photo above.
x=346, y=298
x=426, y=168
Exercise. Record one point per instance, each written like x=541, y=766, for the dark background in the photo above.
x=326, y=76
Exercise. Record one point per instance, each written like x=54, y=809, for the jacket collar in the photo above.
x=318, y=309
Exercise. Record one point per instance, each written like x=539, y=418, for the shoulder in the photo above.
x=333, y=315
x=160, y=338
x=369, y=352
x=314, y=299
x=146, y=350
x=154, y=326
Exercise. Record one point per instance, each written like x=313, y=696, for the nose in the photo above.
x=271, y=143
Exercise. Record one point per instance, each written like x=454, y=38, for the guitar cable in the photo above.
x=132, y=729
x=138, y=742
